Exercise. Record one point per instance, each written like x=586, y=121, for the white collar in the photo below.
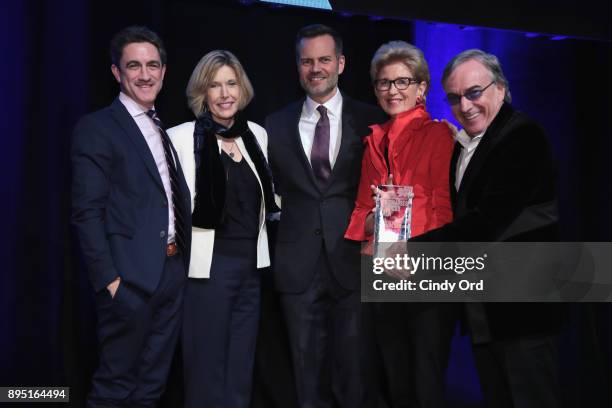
x=333, y=105
x=132, y=107
x=466, y=141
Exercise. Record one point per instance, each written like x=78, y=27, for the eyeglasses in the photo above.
x=471, y=95
x=400, y=83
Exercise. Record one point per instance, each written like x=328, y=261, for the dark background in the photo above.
x=579, y=19
x=55, y=68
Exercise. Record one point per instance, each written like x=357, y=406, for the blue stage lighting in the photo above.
x=320, y=4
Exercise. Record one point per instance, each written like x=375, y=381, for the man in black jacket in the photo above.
x=131, y=211
x=502, y=189
x=315, y=153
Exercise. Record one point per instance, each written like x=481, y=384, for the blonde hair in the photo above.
x=203, y=75
x=401, y=51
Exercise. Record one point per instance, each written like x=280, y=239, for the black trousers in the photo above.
x=519, y=373
x=414, y=341
x=137, y=337
x=220, y=328
x=273, y=380
x=329, y=344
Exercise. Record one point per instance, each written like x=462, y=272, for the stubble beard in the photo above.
x=322, y=90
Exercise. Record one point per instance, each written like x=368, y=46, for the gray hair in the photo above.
x=401, y=51
x=490, y=61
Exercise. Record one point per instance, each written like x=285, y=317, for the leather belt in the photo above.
x=171, y=249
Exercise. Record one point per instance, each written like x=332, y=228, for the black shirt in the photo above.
x=242, y=200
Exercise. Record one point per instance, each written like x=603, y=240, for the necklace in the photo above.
x=231, y=150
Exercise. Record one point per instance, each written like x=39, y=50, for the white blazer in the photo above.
x=202, y=240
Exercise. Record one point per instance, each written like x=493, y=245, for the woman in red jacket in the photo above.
x=411, y=150
x=411, y=146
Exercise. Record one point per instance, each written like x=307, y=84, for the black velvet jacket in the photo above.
x=508, y=193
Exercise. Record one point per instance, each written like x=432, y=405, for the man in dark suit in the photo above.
x=502, y=189
x=131, y=210
x=315, y=153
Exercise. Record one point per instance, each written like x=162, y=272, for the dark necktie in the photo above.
x=179, y=235
x=319, y=156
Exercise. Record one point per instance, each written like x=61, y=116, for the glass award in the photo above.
x=392, y=215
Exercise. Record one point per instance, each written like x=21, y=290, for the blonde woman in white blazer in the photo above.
x=224, y=162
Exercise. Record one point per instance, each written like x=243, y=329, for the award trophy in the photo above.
x=392, y=215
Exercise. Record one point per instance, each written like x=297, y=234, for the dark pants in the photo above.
x=329, y=349
x=519, y=373
x=220, y=328
x=414, y=341
x=137, y=337
x=273, y=380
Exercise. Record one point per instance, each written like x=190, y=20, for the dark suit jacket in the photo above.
x=119, y=206
x=508, y=193
x=311, y=216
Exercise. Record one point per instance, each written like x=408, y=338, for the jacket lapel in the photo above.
x=127, y=123
x=452, y=176
x=489, y=140
x=347, y=132
x=294, y=122
x=377, y=154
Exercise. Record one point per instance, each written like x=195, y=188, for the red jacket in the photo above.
x=420, y=152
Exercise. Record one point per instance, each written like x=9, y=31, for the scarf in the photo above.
x=210, y=182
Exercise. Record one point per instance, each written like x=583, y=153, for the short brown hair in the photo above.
x=135, y=34
x=317, y=30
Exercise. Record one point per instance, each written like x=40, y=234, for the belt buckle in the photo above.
x=171, y=249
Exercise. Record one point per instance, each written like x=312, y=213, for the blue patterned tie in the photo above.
x=179, y=235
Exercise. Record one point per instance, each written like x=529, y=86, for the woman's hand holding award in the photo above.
x=392, y=219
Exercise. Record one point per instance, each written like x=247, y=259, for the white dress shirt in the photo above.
x=469, y=147
x=308, y=121
x=151, y=134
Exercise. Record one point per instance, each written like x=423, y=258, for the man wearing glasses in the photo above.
x=502, y=185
